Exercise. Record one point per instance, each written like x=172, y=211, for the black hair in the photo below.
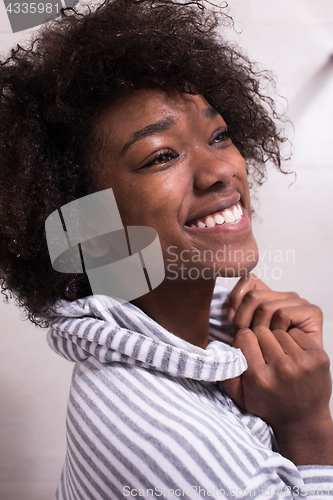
x=52, y=92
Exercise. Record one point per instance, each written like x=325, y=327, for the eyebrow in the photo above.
x=154, y=128
x=162, y=126
x=209, y=113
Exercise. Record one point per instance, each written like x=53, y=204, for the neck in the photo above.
x=182, y=308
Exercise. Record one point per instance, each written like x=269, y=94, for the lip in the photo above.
x=216, y=207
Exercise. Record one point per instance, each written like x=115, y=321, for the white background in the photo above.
x=294, y=38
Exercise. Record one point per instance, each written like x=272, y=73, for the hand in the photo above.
x=288, y=385
x=253, y=304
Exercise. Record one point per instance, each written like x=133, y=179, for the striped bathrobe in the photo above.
x=147, y=418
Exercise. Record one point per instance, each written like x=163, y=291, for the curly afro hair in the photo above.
x=52, y=92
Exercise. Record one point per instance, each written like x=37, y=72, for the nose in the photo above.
x=213, y=167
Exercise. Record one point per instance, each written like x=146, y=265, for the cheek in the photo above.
x=154, y=200
x=243, y=177
x=242, y=172
x=140, y=205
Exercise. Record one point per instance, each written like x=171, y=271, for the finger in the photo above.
x=280, y=310
x=271, y=349
x=234, y=388
x=255, y=300
x=311, y=358
x=306, y=317
x=246, y=340
x=246, y=283
x=305, y=341
x=287, y=343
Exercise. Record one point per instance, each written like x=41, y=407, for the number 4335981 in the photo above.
x=32, y=8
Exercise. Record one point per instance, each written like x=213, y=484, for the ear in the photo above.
x=96, y=246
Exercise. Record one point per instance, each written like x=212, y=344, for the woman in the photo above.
x=145, y=99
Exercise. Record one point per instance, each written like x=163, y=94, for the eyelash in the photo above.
x=225, y=136
x=160, y=155
x=168, y=152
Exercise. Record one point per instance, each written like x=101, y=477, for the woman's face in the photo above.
x=172, y=167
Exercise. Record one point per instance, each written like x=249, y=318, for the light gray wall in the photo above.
x=294, y=38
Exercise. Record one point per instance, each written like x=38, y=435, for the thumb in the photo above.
x=234, y=388
x=245, y=284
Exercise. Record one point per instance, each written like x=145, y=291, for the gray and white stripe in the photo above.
x=146, y=416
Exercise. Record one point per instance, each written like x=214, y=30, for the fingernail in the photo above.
x=231, y=313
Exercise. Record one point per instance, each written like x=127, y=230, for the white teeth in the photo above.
x=228, y=216
x=237, y=212
x=219, y=219
x=210, y=222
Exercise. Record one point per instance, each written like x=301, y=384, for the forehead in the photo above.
x=141, y=108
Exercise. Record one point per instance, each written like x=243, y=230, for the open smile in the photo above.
x=230, y=215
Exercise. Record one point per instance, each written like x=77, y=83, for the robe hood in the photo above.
x=111, y=332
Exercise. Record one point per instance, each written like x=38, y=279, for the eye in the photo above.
x=161, y=158
x=220, y=136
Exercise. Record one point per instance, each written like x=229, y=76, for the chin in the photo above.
x=242, y=269
x=240, y=262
